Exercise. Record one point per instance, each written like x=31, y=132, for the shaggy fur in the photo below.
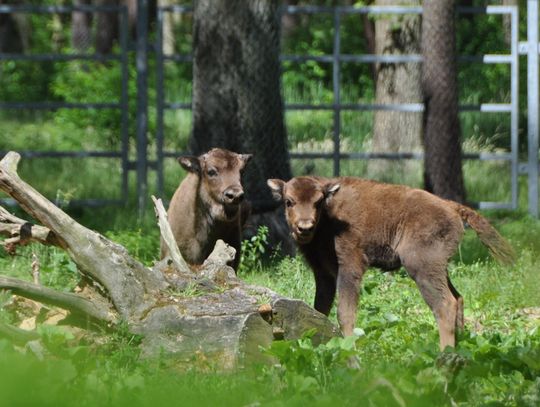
x=345, y=225
x=208, y=205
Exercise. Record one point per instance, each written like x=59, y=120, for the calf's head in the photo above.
x=304, y=199
x=220, y=173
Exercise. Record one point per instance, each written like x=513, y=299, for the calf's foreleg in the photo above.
x=349, y=278
x=325, y=290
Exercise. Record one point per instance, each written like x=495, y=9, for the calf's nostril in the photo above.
x=305, y=228
x=234, y=196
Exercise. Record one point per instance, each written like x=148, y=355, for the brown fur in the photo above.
x=344, y=225
x=208, y=205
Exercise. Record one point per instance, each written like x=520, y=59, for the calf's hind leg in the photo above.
x=460, y=319
x=434, y=286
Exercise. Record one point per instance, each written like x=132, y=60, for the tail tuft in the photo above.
x=497, y=245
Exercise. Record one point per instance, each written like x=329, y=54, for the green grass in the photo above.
x=497, y=361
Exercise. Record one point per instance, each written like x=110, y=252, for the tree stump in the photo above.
x=184, y=313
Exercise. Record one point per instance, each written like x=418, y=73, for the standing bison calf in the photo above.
x=344, y=225
x=208, y=205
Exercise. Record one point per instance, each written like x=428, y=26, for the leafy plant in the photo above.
x=313, y=366
x=252, y=251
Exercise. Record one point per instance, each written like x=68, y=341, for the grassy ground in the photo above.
x=496, y=363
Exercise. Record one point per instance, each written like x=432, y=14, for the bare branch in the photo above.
x=168, y=237
x=72, y=302
x=20, y=231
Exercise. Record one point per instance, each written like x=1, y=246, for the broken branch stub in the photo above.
x=20, y=232
x=168, y=237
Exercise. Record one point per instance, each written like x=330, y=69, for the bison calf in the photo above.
x=344, y=225
x=208, y=205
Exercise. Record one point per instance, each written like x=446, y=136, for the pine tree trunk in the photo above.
x=81, y=27
x=236, y=94
x=396, y=83
x=107, y=28
x=442, y=166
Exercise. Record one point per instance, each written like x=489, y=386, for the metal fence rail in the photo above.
x=336, y=58
x=121, y=105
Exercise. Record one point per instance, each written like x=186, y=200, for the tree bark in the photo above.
x=396, y=83
x=442, y=165
x=81, y=27
x=236, y=94
x=507, y=22
x=208, y=311
x=15, y=32
x=106, y=27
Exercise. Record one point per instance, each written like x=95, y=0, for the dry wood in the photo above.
x=168, y=237
x=72, y=302
x=20, y=232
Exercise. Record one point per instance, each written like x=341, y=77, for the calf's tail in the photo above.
x=497, y=245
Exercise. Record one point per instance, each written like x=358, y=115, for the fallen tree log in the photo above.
x=184, y=312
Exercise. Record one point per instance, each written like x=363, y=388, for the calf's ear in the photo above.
x=190, y=164
x=330, y=190
x=245, y=157
x=276, y=186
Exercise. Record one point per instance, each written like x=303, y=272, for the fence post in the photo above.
x=142, y=104
x=532, y=103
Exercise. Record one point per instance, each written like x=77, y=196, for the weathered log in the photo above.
x=206, y=311
x=127, y=281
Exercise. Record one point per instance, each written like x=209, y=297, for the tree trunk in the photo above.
x=507, y=22
x=442, y=165
x=289, y=22
x=106, y=27
x=132, y=16
x=236, y=94
x=208, y=311
x=396, y=83
x=81, y=30
x=15, y=33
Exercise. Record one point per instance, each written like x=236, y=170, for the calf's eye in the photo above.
x=288, y=203
x=211, y=172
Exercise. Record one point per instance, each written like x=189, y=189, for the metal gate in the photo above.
x=144, y=50
x=121, y=104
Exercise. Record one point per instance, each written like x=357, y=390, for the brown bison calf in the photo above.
x=344, y=225
x=208, y=205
